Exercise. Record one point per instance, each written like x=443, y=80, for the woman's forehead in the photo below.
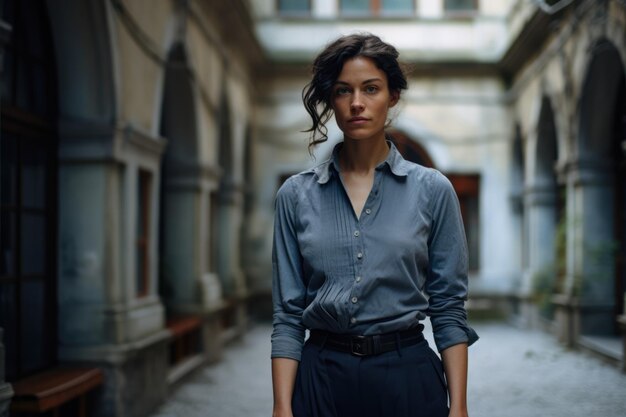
x=360, y=69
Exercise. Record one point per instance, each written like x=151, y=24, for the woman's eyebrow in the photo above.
x=371, y=80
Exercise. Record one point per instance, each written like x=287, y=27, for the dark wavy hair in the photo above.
x=317, y=94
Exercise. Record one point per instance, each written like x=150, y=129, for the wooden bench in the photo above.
x=49, y=390
x=186, y=338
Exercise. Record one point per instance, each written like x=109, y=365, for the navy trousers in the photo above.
x=408, y=382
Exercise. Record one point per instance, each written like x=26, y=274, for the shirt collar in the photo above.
x=396, y=163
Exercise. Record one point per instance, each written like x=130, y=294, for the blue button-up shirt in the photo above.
x=404, y=258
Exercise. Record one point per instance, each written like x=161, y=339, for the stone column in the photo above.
x=6, y=392
x=229, y=263
x=591, y=264
x=188, y=285
x=540, y=206
x=230, y=223
x=540, y=228
x=103, y=317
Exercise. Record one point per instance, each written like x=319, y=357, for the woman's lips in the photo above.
x=358, y=120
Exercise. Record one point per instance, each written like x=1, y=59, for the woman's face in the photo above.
x=361, y=99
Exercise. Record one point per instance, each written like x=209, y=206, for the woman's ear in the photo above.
x=395, y=97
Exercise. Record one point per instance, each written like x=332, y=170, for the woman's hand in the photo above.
x=282, y=413
x=458, y=413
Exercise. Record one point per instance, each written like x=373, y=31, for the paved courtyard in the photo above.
x=513, y=373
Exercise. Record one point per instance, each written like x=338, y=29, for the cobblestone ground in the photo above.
x=513, y=373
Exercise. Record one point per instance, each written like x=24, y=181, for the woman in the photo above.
x=365, y=246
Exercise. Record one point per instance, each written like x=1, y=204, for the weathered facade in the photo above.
x=130, y=262
x=143, y=143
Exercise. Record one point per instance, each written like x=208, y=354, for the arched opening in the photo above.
x=248, y=172
x=602, y=191
x=543, y=213
x=410, y=150
x=179, y=188
x=29, y=147
x=516, y=198
x=222, y=203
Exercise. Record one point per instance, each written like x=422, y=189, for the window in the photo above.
x=28, y=165
x=460, y=6
x=377, y=7
x=142, y=258
x=467, y=188
x=294, y=7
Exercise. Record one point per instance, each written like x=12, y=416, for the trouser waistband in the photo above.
x=360, y=345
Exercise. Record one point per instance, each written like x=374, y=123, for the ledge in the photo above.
x=53, y=388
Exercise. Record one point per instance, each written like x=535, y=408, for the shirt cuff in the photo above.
x=454, y=335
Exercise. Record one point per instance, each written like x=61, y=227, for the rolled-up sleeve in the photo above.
x=446, y=282
x=288, y=290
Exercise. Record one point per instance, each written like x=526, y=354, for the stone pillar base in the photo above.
x=567, y=319
x=128, y=370
x=525, y=312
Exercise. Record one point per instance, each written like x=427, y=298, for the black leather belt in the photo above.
x=359, y=345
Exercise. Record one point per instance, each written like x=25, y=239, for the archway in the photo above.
x=410, y=150
x=180, y=238
x=542, y=211
x=600, y=191
x=223, y=203
x=517, y=199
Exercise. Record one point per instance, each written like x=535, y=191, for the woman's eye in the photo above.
x=342, y=91
x=371, y=89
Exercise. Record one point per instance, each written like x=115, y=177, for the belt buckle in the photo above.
x=359, y=346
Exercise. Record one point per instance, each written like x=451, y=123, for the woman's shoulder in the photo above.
x=426, y=175
x=300, y=181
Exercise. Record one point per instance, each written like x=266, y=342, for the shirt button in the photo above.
x=358, y=279
x=353, y=320
x=359, y=255
x=354, y=300
x=356, y=233
x=368, y=211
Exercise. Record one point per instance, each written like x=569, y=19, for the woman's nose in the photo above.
x=356, y=105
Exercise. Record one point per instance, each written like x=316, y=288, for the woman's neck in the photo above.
x=362, y=156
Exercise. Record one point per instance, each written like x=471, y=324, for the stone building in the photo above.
x=143, y=141
x=126, y=136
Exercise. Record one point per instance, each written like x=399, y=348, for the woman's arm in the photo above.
x=283, y=378
x=455, y=367
x=288, y=293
